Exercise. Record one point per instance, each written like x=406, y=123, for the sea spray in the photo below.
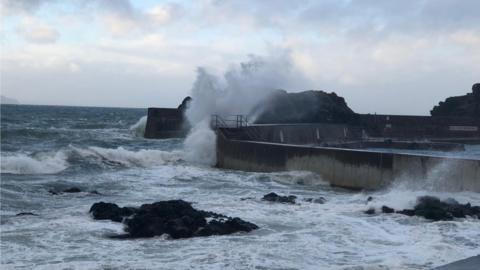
x=139, y=127
x=200, y=144
x=240, y=90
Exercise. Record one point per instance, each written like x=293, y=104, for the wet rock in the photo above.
x=387, y=210
x=407, y=212
x=110, y=211
x=370, y=211
x=319, y=200
x=95, y=192
x=433, y=208
x=369, y=199
x=68, y=190
x=72, y=190
x=176, y=218
x=25, y=214
x=274, y=197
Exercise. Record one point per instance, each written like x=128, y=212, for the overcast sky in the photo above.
x=384, y=56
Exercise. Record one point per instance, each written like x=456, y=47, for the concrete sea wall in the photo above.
x=350, y=168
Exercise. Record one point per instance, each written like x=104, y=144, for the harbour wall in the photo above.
x=350, y=168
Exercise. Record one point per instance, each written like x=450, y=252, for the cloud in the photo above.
x=388, y=50
x=15, y=7
x=36, y=31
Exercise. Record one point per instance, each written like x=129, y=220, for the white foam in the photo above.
x=128, y=158
x=139, y=127
x=200, y=145
x=46, y=163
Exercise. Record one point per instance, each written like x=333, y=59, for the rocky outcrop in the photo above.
x=176, y=218
x=433, y=208
x=185, y=103
x=304, y=107
x=460, y=106
x=274, y=197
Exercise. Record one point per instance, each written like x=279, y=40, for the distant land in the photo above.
x=7, y=100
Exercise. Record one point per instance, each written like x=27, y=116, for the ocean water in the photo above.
x=52, y=148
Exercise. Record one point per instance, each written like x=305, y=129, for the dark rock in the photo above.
x=176, y=218
x=274, y=197
x=460, y=106
x=72, y=190
x=407, y=212
x=68, y=190
x=370, y=211
x=434, y=209
x=304, y=107
x=319, y=200
x=185, y=104
x=369, y=199
x=387, y=210
x=26, y=214
x=95, y=192
x=110, y=211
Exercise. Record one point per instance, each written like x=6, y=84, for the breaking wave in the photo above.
x=51, y=163
x=38, y=164
x=139, y=127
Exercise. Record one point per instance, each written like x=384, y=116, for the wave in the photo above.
x=51, y=163
x=127, y=158
x=38, y=164
x=139, y=127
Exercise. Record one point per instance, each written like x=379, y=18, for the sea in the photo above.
x=46, y=149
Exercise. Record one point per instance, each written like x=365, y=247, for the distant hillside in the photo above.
x=7, y=100
x=463, y=106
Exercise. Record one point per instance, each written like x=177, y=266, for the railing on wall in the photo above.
x=231, y=121
x=235, y=127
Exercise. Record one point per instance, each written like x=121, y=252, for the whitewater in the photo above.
x=47, y=148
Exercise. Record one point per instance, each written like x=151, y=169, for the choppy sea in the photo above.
x=45, y=148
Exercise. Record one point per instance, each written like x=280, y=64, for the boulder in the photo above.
x=274, y=197
x=25, y=214
x=387, y=210
x=460, y=106
x=319, y=200
x=433, y=208
x=72, y=190
x=304, y=107
x=110, y=211
x=176, y=218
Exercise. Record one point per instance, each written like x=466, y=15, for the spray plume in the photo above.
x=238, y=91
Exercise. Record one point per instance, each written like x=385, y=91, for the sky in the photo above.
x=383, y=56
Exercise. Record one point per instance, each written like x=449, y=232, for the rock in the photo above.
x=387, y=210
x=274, y=197
x=110, y=211
x=68, y=190
x=407, y=212
x=434, y=209
x=319, y=200
x=304, y=107
x=72, y=190
x=176, y=218
x=460, y=106
x=370, y=211
x=369, y=199
x=95, y=192
x=25, y=214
